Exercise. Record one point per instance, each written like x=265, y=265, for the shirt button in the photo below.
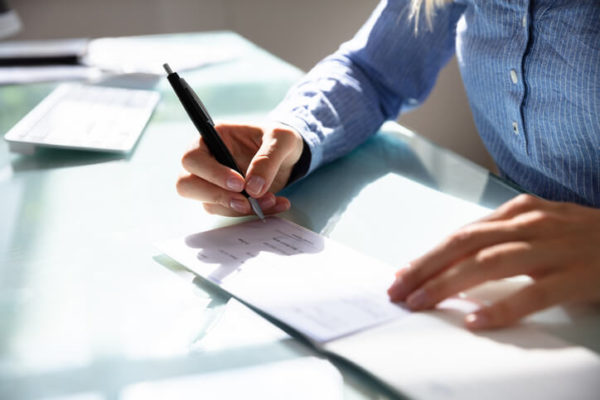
x=513, y=76
x=515, y=127
x=524, y=21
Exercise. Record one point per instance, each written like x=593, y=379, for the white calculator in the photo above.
x=87, y=117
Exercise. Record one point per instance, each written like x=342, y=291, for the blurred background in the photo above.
x=300, y=32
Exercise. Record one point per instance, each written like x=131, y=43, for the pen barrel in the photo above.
x=203, y=124
x=216, y=146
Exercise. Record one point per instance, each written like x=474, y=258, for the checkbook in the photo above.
x=335, y=297
x=85, y=117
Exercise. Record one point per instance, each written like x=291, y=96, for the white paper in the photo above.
x=320, y=288
x=423, y=217
x=432, y=356
x=147, y=55
x=43, y=48
x=336, y=297
x=21, y=75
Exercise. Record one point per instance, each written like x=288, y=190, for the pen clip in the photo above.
x=189, y=90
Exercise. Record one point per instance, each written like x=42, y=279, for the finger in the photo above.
x=228, y=129
x=271, y=204
x=276, y=147
x=496, y=262
x=402, y=270
x=521, y=204
x=193, y=187
x=281, y=204
x=456, y=247
x=217, y=209
x=550, y=291
x=201, y=163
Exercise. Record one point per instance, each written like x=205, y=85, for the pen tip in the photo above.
x=256, y=208
x=167, y=68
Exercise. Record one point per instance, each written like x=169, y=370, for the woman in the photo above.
x=531, y=70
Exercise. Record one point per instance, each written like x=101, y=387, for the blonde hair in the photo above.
x=429, y=6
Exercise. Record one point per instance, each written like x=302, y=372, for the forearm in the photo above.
x=384, y=69
x=332, y=108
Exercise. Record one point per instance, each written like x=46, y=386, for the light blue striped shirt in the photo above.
x=531, y=70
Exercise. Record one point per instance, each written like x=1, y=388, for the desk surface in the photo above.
x=88, y=305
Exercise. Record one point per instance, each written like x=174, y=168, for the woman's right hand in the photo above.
x=267, y=155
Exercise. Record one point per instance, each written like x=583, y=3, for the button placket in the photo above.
x=517, y=80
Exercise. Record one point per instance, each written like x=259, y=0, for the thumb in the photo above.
x=280, y=149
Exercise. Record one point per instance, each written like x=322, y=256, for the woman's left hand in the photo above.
x=556, y=244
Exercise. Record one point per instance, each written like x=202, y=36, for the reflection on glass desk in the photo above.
x=90, y=309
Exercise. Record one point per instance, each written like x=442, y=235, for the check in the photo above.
x=319, y=287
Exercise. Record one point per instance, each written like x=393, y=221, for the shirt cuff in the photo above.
x=302, y=165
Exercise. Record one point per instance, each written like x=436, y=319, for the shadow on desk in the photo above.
x=45, y=158
x=331, y=188
x=118, y=373
x=320, y=200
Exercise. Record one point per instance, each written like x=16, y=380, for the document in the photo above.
x=148, y=54
x=44, y=60
x=23, y=75
x=83, y=59
x=316, y=286
x=42, y=52
x=336, y=297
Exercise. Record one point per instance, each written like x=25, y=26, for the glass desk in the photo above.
x=89, y=307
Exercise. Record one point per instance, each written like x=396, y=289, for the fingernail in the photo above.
x=255, y=185
x=396, y=290
x=238, y=205
x=417, y=300
x=477, y=321
x=267, y=202
x=235, y=184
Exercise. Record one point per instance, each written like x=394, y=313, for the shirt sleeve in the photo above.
x=385, y=69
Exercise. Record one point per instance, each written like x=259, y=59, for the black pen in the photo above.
x=205, y=125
